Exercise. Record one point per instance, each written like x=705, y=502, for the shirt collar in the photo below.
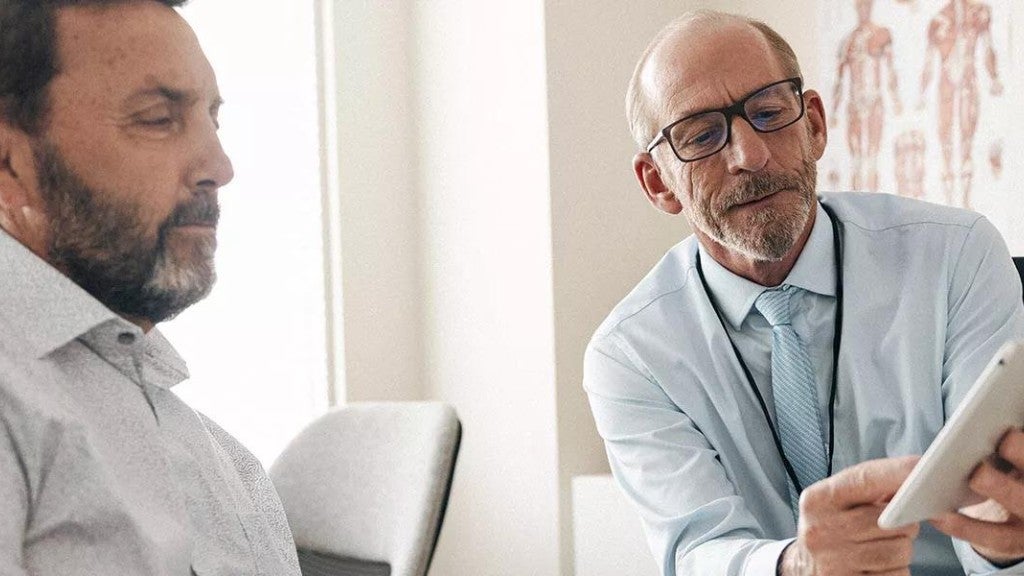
x=44, y=307
x=814, y=271
x=45, y=310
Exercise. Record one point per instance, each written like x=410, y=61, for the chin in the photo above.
x=768, y=235
x=176, y=284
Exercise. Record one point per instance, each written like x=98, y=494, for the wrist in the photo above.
x=794, y=561
x=779, y=571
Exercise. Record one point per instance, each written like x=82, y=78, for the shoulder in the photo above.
x=877, y=212
x=668, y=278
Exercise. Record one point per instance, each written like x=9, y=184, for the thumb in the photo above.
x=868, y=482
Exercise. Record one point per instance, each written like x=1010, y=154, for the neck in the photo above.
x=145, y=323
x=763, y=272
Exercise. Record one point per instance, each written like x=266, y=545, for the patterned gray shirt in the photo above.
x=103, y=470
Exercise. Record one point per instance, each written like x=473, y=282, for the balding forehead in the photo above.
x=680, y=56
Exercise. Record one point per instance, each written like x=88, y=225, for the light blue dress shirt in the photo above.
x=930, y=294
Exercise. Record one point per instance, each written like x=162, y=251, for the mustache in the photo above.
x=202, y=210
x=758, y=186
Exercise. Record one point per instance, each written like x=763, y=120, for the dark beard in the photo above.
x=104, y=248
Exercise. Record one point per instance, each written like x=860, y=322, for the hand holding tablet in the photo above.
x=939, y=482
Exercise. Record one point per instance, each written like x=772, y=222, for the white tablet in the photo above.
x=938, y=483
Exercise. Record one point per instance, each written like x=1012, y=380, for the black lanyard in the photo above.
x=837, y=336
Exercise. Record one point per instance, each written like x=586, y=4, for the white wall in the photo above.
x=270, y=229
x=486, y=271
x=447, y=253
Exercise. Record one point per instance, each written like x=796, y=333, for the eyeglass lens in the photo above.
x=770, y=109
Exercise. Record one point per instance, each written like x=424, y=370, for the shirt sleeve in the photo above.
x=13, y=506
x=695, y=521
x=985, y=311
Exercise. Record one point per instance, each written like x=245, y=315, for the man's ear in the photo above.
x=649, y=176
x=21, y=209
x=815, y=111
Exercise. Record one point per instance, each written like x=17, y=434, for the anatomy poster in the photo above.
x=924, y=99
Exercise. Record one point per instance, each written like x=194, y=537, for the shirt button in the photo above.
x=126, y=338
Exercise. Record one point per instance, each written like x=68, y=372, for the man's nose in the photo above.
x=211, y=166
x=746, y=150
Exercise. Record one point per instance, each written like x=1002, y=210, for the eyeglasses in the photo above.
x=767, y=109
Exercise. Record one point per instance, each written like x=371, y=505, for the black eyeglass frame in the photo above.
x=730, y=112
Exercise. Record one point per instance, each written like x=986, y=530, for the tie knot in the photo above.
x=774, y=304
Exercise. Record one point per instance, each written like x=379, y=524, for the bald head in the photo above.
x=661, y=69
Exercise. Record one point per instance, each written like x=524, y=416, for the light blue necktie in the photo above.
x=796, y=397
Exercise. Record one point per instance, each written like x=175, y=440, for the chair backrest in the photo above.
x=1018, y=261
x=368, y=484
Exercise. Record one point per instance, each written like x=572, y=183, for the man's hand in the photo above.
x=995, y=528
x=838, y=531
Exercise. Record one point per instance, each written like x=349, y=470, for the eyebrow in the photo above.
x=173, y=95
x=717, y=109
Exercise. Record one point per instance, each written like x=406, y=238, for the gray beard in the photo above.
x=104, y=247
x=769, y=234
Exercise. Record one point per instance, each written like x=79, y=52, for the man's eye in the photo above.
x=160, y=122
x=766, y=114
x=703, y=137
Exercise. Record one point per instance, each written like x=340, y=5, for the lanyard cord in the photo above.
x=837, y=247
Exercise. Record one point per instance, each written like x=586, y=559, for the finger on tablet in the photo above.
x=998, y=541
x=990, y=481
x=1011, y=448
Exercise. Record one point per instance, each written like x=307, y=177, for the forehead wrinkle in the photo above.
x=683, y=103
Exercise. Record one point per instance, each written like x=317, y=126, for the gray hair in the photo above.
x=639, y=112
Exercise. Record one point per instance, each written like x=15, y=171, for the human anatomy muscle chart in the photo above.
x=925, y=100
x=958, y=36
x=865, y=67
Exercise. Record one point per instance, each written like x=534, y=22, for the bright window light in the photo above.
x=256, y=348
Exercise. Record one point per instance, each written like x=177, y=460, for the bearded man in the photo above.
x=110, y=165
x=762, y=392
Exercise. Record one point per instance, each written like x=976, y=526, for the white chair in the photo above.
x=365, y=487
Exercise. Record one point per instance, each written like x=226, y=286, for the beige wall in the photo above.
x=605, y=234
x=489, y=221
x=377, y=217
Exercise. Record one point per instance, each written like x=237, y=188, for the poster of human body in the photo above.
x=924, y=100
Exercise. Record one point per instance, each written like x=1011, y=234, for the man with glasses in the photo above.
x=762, y=391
